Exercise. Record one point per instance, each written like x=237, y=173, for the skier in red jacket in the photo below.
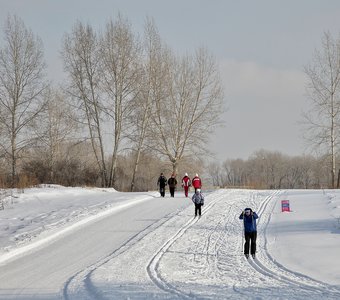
x=196, y=182
x=186, y=183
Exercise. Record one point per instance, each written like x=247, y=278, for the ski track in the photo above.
x=215, y=253
x=214, y=258
x=82, y=280
x=268, y=266
x=153, y=266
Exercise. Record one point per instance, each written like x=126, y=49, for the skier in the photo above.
x=172, y=182
x=198, y=199
x=250, y=232
x=196, y=182
x=161, y=183
x=186, y=183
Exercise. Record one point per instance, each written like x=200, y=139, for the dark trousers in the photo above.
x=162, y=191
x=250, y=238
x=172, y=191
x=198, y=209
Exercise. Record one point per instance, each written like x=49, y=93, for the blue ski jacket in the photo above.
x=249, y=221
x=198, y=198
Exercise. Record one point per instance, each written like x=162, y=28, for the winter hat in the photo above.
x=186, y=174
x=198, y=191
x=196, y=175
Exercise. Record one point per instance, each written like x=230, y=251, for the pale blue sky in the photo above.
x=261, y=47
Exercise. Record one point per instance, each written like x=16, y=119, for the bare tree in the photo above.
x=214, y=171
x=307, y=174
x=21, y=86
x=234, y=173
x=120, y=53
x=187, y=106
x=56, y=127
x=322, y=121
x=140, y=118
x=82, y=63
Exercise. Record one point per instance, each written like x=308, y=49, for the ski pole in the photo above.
x=242, y=244
x=242, y=233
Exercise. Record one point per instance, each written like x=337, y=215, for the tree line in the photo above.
x=272, y=170
x=131, y=108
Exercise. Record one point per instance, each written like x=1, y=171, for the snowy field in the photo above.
x=175, y=256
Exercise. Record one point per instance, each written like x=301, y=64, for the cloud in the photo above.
x=264, y=107
x=249, y=79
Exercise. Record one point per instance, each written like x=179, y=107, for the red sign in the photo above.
x=285, y=205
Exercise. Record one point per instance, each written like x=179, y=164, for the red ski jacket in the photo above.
x=196, y=182
x=186, y=181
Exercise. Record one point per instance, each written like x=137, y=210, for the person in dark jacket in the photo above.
x=250, y=232
x=161, y=183
x=172, y=182
x=198, y=199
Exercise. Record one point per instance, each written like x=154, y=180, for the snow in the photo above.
x=169, y=254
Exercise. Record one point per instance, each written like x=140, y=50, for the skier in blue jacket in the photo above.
x=250, y=232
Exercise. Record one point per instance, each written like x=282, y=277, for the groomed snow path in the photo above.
x=190, y=258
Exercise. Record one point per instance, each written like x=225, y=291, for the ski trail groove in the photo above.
x=84, y=276
x=152, y=267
